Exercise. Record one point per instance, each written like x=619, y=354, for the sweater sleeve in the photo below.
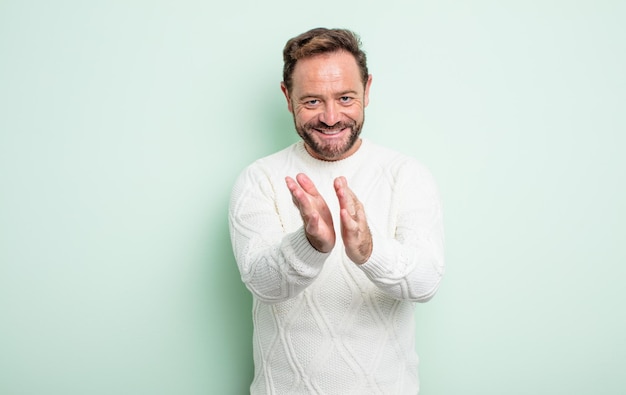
x=410, y=265
x=275, y=265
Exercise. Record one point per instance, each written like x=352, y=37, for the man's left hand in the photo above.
x=355, y=232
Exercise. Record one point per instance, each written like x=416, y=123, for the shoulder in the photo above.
x=271, y=163
x=411, y=180
x=266, y=170
x=279, y=157
x=395, y=162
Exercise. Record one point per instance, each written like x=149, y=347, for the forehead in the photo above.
x=331, y=71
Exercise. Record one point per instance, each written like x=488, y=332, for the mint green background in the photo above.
x=124, y=123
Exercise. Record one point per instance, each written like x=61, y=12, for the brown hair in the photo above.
x=319, y=41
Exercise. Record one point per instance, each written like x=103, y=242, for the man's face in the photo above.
x=327, y=100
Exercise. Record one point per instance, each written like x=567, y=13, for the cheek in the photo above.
x=354, y=112
x=304, y=116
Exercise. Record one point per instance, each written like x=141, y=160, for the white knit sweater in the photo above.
x=322, y=324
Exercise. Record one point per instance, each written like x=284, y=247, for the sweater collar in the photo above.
x=350, y=161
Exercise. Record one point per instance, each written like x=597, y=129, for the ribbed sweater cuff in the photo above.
x=304, y=259
x=378, y=264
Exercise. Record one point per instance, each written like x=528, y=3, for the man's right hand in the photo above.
x=318, y=222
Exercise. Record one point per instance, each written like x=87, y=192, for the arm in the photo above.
x=275, y=265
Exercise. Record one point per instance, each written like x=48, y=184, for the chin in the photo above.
x=329, y=150
x=333, y=151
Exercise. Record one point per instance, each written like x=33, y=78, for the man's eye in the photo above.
x=345, y=99
x=313, y=102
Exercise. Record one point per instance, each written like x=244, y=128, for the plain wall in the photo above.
x=123, y=125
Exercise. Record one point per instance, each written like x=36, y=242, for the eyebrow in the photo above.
x=340, y=94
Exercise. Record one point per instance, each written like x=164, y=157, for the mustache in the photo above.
x=324, y=127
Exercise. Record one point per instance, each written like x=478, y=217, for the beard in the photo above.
x=329, y=150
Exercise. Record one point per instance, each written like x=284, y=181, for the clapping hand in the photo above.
x=318, y=221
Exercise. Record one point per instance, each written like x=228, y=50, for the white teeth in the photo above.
x=330, y=132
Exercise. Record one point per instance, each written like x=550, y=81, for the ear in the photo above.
x=283, y=88
x=366, y=94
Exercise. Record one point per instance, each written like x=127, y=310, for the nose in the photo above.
x=330, y=116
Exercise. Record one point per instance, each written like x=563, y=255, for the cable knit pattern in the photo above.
x=322, y=324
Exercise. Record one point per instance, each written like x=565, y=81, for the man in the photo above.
x=336, y=237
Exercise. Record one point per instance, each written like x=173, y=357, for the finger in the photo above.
x=348, y=222
x=298, y=196
x=307, y=185
x=347, y=198
x=291, y=184
x=340, y=183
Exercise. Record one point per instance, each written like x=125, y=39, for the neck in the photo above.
x=355, y=147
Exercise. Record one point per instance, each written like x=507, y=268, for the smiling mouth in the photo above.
x=330, y=132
